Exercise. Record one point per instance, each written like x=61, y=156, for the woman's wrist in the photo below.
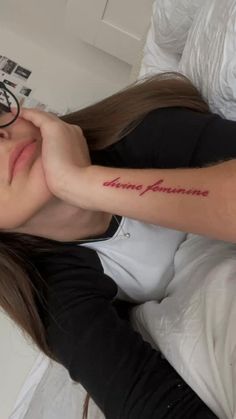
x=75, y=185
x=78, y=187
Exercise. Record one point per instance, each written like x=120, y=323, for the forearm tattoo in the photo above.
x=155, y=187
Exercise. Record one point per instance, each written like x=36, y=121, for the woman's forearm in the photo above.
x=198, y=200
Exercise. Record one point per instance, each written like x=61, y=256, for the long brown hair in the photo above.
x=103, y=123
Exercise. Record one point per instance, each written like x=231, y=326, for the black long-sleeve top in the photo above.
x=123, y=374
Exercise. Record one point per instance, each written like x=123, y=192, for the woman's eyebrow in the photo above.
x=3, y=109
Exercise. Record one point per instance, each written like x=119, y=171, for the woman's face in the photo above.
x=28, y=192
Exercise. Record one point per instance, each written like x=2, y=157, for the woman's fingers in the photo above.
x=37, y=117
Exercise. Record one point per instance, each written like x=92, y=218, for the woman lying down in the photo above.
x=92, y=213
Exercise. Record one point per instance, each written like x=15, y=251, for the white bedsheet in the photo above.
x=205, y=311
x=194, y=327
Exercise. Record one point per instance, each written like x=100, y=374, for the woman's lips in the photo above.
x=15, y=155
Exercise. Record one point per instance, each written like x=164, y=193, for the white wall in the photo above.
x=66, y=73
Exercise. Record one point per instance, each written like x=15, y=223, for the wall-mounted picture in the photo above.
x=22, y=72
x=7, y=65
x=25, y=91
x=9, y=83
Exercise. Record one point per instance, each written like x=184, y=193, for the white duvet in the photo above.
x=194, y=326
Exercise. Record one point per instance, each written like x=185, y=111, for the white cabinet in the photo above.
x=115, y=26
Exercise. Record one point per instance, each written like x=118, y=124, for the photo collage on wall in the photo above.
x=15, y=77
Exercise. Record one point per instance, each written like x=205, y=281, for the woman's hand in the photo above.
x=64, y=147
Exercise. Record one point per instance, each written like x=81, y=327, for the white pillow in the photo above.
x=209, y=56
x=156, y=59
x=173, y=19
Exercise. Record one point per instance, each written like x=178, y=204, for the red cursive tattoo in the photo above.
x=154, y=188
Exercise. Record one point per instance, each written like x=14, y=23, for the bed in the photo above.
x=197, y=38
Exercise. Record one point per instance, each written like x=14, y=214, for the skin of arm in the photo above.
x=194, y=200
